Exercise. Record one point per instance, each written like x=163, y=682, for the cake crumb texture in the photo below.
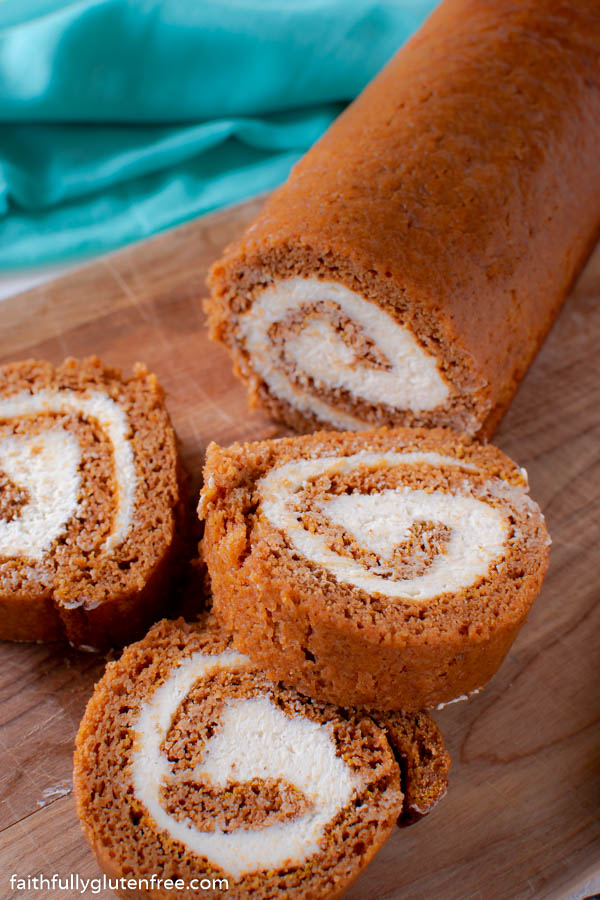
x=206, y=796
x=92, y=515
x=391, y=568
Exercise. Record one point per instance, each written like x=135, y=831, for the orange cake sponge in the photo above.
x=190, y=763
x=388, y=568
x=411, y=266
x=91, y=501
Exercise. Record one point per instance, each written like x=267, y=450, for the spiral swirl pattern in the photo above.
x=324, y=349
x=255, y=740
x=46, y=464
x=401, y=541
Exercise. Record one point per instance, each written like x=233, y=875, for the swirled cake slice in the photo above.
x=90, y=502
x=191, y=764
x=387, y=568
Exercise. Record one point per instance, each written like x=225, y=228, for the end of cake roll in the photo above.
x=92, y=527
x=390, y=569
x=210, y=771
x=343, y=352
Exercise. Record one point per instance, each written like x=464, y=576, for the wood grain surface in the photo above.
x=522, y=816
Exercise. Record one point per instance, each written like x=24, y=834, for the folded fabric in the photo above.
x=119, y=118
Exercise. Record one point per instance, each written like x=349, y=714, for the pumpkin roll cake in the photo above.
x=91, y=500
x=389, y=568
x=410, y=268
x=190, y=763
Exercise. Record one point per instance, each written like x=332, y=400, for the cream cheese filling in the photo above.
x=380, y=521
x=255, y=739
x=412, y=381
x=113, y=421
x=47, y=466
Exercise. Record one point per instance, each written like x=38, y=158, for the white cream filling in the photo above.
x=112, y=420
x=255, y=740
x=380, y=522
x=413, y=381
x=459, y=699
x=47, y=467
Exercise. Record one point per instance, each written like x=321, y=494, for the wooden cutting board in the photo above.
x=521, y=818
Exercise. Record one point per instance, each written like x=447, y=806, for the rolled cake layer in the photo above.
x=424, y=762
x=388, y=568
x=191, y=764
x=91, y=502
x=410, y=268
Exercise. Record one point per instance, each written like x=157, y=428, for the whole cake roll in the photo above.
x=410, y=268
x=192, y=766
x=390, y=568
x=91, y=502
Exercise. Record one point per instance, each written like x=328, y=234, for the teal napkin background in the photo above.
x=122, y=117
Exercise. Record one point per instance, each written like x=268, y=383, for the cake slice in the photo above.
x=190, y=764
x=91, y=505
x=389, y=568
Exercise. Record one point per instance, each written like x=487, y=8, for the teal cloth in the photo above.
x=122, y=117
